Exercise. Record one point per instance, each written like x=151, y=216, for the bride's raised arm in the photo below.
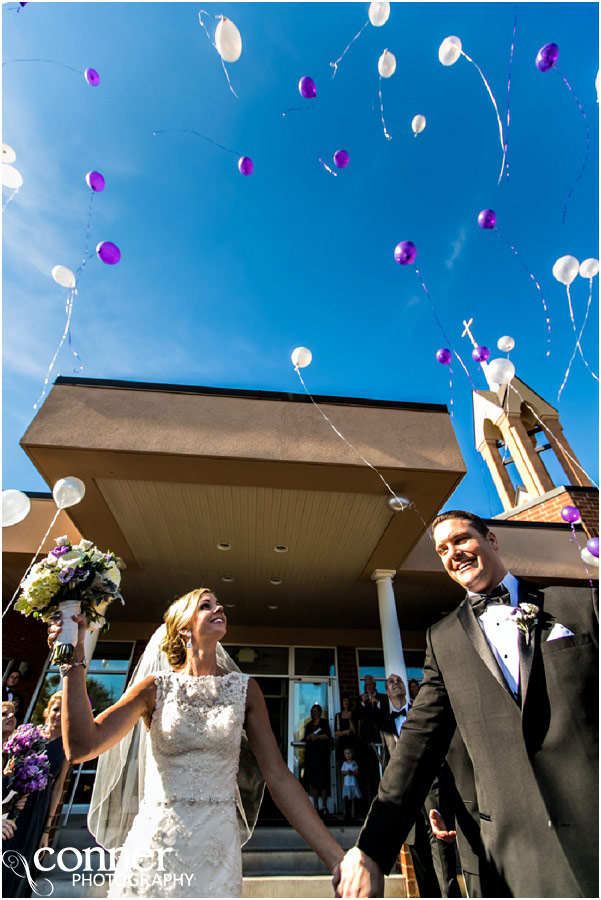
x=284, y=788
x=85, y=737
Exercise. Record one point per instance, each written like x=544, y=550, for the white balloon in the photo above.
x=378, y=13
x=301, y=357
x=506, y=344
x=418, y=124
x=63, y=276
x=501, y=371
x=589, y=268
x=398, y=503
x=8, y=154
x=587, y=558
x=228, y=41
x=15, y=506
x=597, y=85
x=387, y=64
x=566, y=269
x=11, y=177
x=450, y=50
x=68, y=492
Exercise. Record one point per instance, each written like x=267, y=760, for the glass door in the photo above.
x=304, y=694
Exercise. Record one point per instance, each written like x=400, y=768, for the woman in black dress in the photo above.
x=345, y=729
x=32, y=825
x=317, y=758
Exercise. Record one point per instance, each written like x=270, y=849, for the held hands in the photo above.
x=439, y=828
x=55, y=626
x=8, y=829
x=360, y=876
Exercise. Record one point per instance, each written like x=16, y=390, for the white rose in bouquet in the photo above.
x=84, y=545
x=113, y=573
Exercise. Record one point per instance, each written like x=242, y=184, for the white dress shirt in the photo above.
x=502, y=633
x=399, y=721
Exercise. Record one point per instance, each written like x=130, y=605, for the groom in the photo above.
x=514, y=669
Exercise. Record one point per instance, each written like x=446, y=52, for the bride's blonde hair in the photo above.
x=177, y=617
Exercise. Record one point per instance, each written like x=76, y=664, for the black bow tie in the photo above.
x=499, y=595
x=399, y=712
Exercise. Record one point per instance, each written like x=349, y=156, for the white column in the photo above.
x=394, y=661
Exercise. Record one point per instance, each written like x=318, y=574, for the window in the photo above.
x=260, y=660
x=315, y=661
x=371, y=662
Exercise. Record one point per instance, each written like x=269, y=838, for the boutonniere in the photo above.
x=525, y=616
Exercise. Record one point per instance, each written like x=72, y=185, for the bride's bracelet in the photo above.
x=68, y=666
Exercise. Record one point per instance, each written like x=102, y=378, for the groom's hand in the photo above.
x=360, y=876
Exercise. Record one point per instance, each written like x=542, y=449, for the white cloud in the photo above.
x=456, y=247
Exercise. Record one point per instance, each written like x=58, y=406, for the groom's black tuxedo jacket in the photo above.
x=534, y=759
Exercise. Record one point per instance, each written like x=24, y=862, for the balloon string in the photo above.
x=542, y=424
x=508, y=116
x=451, y=405
x=11, y=197
x=578, y=346
x=51, y=61
x=342, y=437
x=344, y=52
x=198, y=134
x=580, y=548
x=298, y=109
x=386, y=135
x=327, y=168
x=32, y=563
x=536, y=284
x=588, y=144
x=69, y=309
x=494, y=103
x=440, y=325
x=227, y=75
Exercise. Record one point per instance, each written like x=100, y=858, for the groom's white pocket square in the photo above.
x=559, y=631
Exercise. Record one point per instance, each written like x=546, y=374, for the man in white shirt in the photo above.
x=517, y=677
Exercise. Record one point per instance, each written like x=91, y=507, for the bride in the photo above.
x=198, y=710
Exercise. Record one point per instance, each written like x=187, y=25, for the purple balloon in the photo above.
x=341, y=159
x=95, y=181
x=444, y=356
x=92, y=77
x=487, y=218
x=109, y=253
x=306, y=87
x=593, y=547
x=405, y=253
x=480, y=354
x=547, y=57
x=245, y=165
x=570, y=514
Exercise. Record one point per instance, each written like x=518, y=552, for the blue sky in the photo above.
x=223, y=275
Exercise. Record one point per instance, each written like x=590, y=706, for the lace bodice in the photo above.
x=188, y=816
x=195, y=737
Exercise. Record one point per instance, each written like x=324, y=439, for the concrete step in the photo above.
x=286, y=838
x=315, y=886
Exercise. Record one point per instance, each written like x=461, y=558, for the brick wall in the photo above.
x=348, y=674
x=586, y=500
x=24, y=639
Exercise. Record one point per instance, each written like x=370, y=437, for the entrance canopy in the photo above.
x=250, y=493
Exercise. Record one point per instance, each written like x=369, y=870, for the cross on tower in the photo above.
x=469, y=333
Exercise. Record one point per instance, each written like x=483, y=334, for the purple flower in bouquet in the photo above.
x=30, y=773
x=60, y=551
x=65, y=575
x=25, y=739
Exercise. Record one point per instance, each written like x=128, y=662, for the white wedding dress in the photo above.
x=189, y=806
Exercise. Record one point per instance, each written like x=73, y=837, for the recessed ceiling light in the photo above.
x=275, y=581
x=230, y=605
x=280, y=548
x=273, y=607
x=224, y=546
x=227, y=578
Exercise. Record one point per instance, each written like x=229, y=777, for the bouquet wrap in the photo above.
x=64, y=648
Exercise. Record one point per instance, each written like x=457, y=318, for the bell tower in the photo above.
x=514, y=425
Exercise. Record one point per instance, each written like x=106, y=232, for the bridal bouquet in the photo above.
x=27, y=767
x=72, y=579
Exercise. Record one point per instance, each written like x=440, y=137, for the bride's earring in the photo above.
x=189, y=641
